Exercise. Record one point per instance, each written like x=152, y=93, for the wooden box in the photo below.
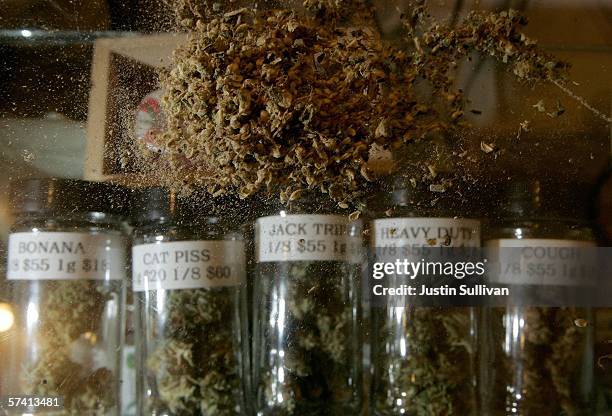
x=124, y=72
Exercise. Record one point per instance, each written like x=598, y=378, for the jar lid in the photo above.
x=551, y=198
x=523, y=197
x=159, y=204
x=404, y=193
x=154, y=204
x=55, y=196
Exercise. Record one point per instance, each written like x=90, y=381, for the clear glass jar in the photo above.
x=536, y=360
x=306, y=343
x=423, y=357
x=190, y=295
x=66, y=271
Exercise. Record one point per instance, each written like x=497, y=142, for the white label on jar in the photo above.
x=539, y=261
x=65, y=256
x=188, y=265
x=424, y=232
x=307, y=238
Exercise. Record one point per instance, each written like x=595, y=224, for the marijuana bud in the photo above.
x=189, y=283
x=66, y=269
x=307, y=353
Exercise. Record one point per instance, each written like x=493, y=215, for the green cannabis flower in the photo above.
x=316, y=370
x=69, y=363
x=424, y=362
x=537, y=370
x=194, y=360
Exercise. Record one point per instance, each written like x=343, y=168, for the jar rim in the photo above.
x=58, y=196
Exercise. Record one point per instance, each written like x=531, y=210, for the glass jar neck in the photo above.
x=195, y=223
x=309, y=203
x=69, y=219
x=413, y=203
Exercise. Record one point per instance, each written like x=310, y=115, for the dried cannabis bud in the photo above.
x=262, y=101
x=188, y=12
x=308, y=367
x=428, y=363
x=193, y=366
x=71, y=363
x=538, y=372
x=278, y=101
x=497, y=35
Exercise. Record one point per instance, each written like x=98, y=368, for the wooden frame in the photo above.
x=122, y=70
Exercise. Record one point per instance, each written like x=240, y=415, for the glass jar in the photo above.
x=536, y=359
x=306, y=343
x=423, y=357
x=66, y=268
x=190, y=295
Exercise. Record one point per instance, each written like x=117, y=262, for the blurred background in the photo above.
x=77, y=77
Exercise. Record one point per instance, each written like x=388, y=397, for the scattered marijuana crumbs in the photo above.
x=523, y=127
x=601, y=359
x=581, y=323
x=28, y=156
x=437, y=187
x=486, y=147
x=558, y=111
x=540, y=106
x=279, y=101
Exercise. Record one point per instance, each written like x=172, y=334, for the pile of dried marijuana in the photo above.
x=281, y=101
